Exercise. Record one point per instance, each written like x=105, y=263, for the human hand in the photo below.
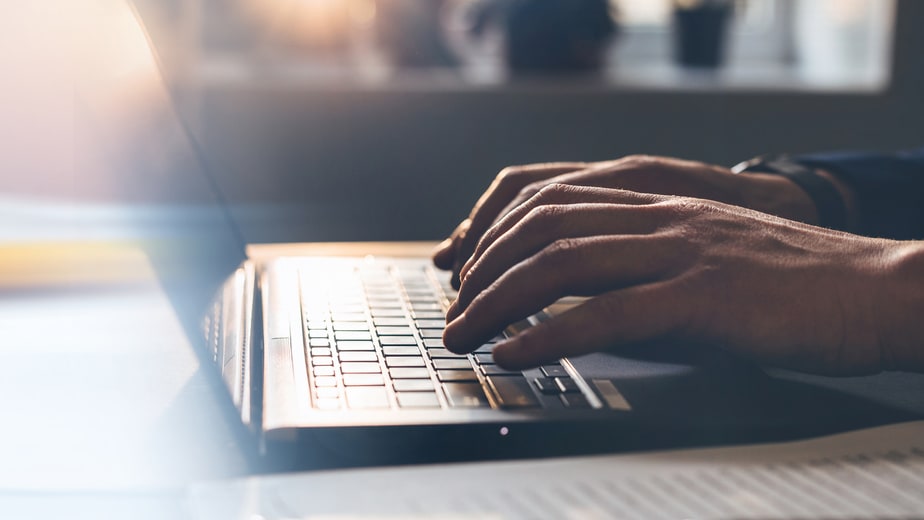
x=771, y=194
x=662, y=268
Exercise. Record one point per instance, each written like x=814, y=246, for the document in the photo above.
x=874, y=473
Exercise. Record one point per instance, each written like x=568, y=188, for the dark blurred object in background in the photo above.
x=700, y=29
x=550, y=36
x=410, y=33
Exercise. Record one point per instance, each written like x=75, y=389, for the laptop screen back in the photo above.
x=127, y=129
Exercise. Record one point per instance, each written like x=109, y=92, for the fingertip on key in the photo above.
x=451, y=335
x=507, y=354
x=443, y=254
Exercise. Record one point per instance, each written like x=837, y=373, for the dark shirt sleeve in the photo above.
x=889, y=189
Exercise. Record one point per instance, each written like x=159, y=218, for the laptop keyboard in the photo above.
x=374, y=341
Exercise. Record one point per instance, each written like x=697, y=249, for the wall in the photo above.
x=343, y=161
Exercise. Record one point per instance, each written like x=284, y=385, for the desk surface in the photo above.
x=102, y=391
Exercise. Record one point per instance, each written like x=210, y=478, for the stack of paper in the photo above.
x=877, y=473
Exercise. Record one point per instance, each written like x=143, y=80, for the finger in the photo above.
x=567, y=267
x=542, y=226
x=619, y=318
x=444, y=254
x=554, y=194
x=595, y=175
x=504, y=188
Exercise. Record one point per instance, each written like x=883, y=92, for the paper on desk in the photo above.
x=877, y=472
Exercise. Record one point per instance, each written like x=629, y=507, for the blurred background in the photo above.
x=318, y=115
x=358, y=120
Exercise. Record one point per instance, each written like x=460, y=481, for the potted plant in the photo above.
x=700, y=29
x=550, y=36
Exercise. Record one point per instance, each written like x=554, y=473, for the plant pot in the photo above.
x=557, y=36
x=700, y=35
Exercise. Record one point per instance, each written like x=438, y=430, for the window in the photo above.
x=771, y=44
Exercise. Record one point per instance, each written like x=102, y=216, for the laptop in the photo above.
x=338, y=361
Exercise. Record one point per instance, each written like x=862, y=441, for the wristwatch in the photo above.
x=832, y=212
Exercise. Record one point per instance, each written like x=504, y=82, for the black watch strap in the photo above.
x=832, y=212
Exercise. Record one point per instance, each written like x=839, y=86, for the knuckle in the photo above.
x=510, y=173
x=683, y=207
x=561, y=252
x=542, y=219
x=641, y=160
x=553, y=192
x=530, y=190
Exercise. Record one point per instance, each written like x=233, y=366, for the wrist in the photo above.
x=901, y=327
x=776, y=195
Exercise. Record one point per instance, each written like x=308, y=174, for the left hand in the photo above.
x=673, y=268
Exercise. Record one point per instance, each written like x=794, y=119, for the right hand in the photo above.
x=771, y=194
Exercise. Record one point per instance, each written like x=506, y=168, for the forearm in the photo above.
x=901, y=307
x=886, y=191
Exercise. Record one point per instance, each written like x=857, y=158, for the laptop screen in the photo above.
x=127, y=129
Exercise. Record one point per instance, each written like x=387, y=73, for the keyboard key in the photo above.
x=363, y=380
x=456, y=375
x=394, y=331
x=382, y=312
x=413, y=385
x=574, y=400
x=513, y=392
x=452, y=364
x=418, y=400
x=404, y=361
x=431, y=324
x=433, y=343
x=385, y=303
x=327, y=393
x=441, y=353
x=467, y=395
x=566, y=384
x=348, y=317
x=327, y=403
x=401, y=351
x=430, y=315
x=352, y=336
x=431, y=333
x=390, y=322
x=325, y=381
x=547, y=385
x=342, y=310
x=320, y=351
x=358, y=356
x=485, y=349
x=426, y=306
x=422, y=292
x=322, y=334
x=355, y=345
x=322, y=361
x=360, y=368
x=323, y=371
x=393, y=341
x=494, y=370
x=484, y=359
x=554, y=371
x=409, y=373
x=340, y=326
x=367, y=397
x=319, y=342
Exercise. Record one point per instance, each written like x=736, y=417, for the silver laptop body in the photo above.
x=338, y=361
